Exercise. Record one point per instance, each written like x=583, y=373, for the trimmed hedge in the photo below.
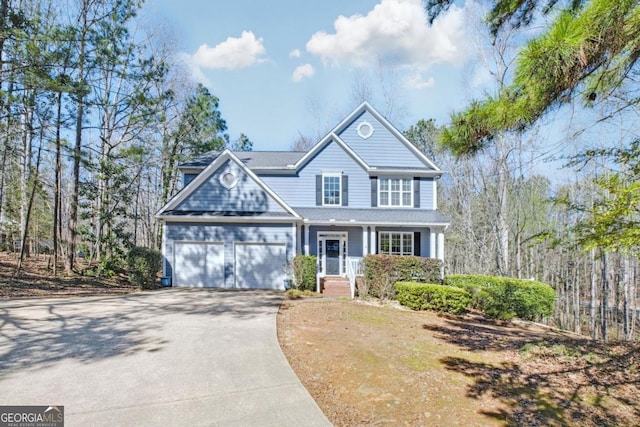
x=381, y=272
x=143, y=266
x=304, y=272
x=426, y=296
x=505, y=298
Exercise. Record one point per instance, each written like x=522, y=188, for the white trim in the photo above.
x=401, y=205
x=391, y=128
x=403, y=235
x=323, y=142
x=372, y=235
x=306, y=239
x=440, y=254
x=343, y=251
x=209, y=170
x=225, y=184
x=324, y=197
x=435, y=195
x=432, y=243
x=365, y=241
x=362, y=134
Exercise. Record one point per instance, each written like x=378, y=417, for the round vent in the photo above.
x=365, y=130
x=228, y=180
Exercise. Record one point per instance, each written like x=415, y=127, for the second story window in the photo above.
x=331, y=190
x=395, y=192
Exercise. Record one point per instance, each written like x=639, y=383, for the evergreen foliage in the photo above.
x=304, y=272
x=143, y=266
x=440, y=298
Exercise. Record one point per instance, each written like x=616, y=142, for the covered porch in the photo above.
x=341, y=239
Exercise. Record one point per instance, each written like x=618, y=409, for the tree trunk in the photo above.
x=77, y=151
x=605, y=298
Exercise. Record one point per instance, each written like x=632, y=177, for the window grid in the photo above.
x=332, y=191
x=395, y=192
x=391, y=243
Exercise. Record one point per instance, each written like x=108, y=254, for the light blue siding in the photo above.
x=227, y=234
x=426, y=193
x=300, y=190
x=380, y=149
x=246, y=196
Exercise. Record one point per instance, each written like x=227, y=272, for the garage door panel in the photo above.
x=260, y=265
x=199, y=265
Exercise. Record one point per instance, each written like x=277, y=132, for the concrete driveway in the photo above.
x=170, y=357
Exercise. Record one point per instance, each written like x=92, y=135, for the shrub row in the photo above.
x=426, y=296
x=304, y=272
x=504, y=297
x=381, y=272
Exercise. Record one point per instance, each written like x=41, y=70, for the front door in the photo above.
x=333, y=257
x=332, y=253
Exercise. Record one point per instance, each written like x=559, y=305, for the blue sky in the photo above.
x=285, y=68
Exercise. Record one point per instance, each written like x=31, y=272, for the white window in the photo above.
x=332, y=189
x=395, y=192
x=392, y=243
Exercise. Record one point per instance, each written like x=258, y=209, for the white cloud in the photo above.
x=233, y=53
x=295, y=53
x=302, y=71
x=394, y=31
x=415, y=81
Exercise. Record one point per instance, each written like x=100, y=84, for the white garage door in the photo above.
x=199, y=265
x=260, y=265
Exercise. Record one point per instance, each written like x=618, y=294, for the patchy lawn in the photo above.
x=366, y=364
x=36, y=280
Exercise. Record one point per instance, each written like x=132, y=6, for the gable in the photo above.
x=241, y=194
x=382, y=148
x=331, y=157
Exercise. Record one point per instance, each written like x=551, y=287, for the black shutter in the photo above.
x=318, y=190
x=374, y=191
x=345, y=190
x=416, y=243
x=416, y=192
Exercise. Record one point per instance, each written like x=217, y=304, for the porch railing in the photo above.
x=354, y=269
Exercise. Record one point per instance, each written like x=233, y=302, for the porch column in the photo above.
x=365, y=241
x=372, y=234
x=306, y=239
x=432, y=243
x=441, y=245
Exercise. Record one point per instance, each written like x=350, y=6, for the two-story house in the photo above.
x=242, y=216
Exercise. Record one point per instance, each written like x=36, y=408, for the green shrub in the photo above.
x=143, y=266
x=440, y=298
x=505, y=297
x=381, y=272
x=304, y=272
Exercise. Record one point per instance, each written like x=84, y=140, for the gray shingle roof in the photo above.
x=253, y=159
x=373, y=215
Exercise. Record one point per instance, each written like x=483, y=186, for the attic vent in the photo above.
x=228, y=180
x=365, y=130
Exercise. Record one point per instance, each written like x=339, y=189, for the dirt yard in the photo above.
x=366, y=364
x=36, y=280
